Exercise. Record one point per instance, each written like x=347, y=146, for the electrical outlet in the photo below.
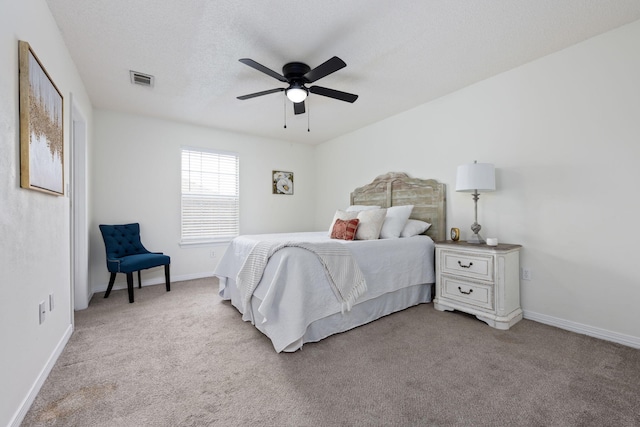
x=212, y=254
x=51, y=302
x=43, y=311
x=526, y=274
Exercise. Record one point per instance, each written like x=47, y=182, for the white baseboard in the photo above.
x=44, y=373
x=628, y=340
x=102, y=287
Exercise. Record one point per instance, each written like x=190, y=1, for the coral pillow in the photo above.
x=345, y=229
x=344, y=215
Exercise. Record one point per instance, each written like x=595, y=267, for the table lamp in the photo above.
x=472, y=178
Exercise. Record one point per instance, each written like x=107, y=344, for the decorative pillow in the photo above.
x=358, y=208
x=345, y=229
x=395, y=220
x=370, y=224
x=414, y=227
x=343, y=215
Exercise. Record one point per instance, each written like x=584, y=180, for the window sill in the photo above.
x=203, y=243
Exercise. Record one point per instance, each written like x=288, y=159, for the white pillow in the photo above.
x=358, y=208
x=395, y=221
x=370, y=224
x=343, y=215
x=413, y=227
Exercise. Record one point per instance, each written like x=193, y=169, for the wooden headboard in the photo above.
x=427, y=196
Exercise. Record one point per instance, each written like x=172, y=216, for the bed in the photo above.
x=294, y=299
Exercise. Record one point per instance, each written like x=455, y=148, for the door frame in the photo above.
x=80, y=290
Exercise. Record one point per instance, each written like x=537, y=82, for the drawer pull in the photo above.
x=465, y=266
x=463, y=292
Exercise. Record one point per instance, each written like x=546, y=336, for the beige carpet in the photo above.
x=185, y=358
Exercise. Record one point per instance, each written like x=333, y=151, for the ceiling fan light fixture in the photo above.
x=297, y=93
x=297, y=74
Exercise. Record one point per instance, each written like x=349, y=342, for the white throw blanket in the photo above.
x=343, y=273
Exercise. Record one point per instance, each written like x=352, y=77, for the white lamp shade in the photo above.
x=476, y=176
x=296, y=94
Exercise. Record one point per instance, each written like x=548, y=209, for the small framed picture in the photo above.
x=282, y=182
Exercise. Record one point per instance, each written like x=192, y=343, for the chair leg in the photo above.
x=130, y=286
x=112, y=279
x=139, y=281
x=166, y=277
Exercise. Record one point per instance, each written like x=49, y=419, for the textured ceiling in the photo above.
x=399, y=54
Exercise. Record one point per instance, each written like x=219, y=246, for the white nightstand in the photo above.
x=479, y=279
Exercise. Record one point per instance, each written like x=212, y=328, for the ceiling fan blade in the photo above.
x=253, y=64
x=322, y=70
x=298, y=107
x=332, y=93
x=264, y=92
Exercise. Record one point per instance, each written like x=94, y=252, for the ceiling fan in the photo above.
x=297, y=75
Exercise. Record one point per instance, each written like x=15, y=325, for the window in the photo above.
x=210, y=201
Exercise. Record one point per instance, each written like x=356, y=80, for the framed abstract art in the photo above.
x=41, y=126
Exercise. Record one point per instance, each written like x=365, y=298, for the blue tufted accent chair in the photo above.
x=126, y=254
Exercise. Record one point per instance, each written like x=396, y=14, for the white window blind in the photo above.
x=210, y=200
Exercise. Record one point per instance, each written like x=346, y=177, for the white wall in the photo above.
x=564, y=134
x=136, y=178
x=35, y=243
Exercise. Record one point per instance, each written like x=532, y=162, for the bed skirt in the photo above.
x=360, y=314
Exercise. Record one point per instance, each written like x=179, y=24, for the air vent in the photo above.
x=141, y=78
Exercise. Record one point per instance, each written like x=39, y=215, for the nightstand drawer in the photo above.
x=471, y=293
x=476, y=266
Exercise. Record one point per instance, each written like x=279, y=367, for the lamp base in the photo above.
x=476, y=238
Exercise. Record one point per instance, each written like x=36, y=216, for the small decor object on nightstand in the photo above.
x=455, y=234
x=282, y=182
x=472, y=178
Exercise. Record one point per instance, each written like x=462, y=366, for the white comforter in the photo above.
x=342, y=271
x=294, y=291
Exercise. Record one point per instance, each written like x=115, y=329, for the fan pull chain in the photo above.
x=308, y=114
x=285, y=109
